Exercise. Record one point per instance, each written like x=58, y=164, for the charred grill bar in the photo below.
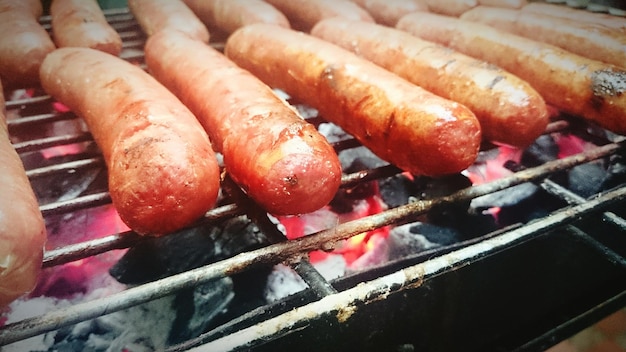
x=476, y=294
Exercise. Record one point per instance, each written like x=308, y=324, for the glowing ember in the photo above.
x=351, y=249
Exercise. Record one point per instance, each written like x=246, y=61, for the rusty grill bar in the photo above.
x=256, y=327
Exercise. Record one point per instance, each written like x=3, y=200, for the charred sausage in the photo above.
x=501, y=101
x=575, y=84
x=401, y=122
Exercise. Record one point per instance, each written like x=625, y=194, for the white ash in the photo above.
x=283, y=281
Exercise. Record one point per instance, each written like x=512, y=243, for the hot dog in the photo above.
x=22, y=229
x=229, y=15
x=23, y=44
x=399, y=121
x=276, y=157
x=388, y=12
x=572, y=83
x=163, y=173
x=450, y=7
x=514, y=4
x=304, y=14
x=157, y=15
x=502, y=102
x=602, y=19
x=81, y=23
x=593, y=41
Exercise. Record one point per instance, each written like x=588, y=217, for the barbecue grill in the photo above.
x=524, y=286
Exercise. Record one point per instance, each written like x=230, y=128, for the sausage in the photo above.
x=22, y=228
x=450, y=7
x=593, y=41
x=157, y=15
x=502, y=102
x=229, y=15
x=81, y=23
x=275, y=156
x=388, y=12
x=23, y=44
x=400, y=122
x=163, y=173
x=304, y=14
x=513, y=4
x=602, y=19
x=577, y=85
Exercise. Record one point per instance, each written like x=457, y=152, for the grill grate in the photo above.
x=256, y=327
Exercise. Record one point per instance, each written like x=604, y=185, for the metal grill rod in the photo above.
x=344, y=303
x=324, y=240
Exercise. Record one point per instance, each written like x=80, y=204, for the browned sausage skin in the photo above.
x=163, y=173
x=500, y=100
x=575, y=84
x=280, y=160
x=22, y=228
x=401, y=122
x=304, y=14
x=81, y=23
x=229, y=15
x=23, y=44
x=157, y=15
x=594, y=41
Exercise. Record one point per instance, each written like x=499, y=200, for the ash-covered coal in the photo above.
x=156, y=258
x=150, y=326
x=411, y=239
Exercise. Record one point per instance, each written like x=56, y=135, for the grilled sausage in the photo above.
x=81, y=23
x=402, y=123
x=513, y=4
x=23, y=44
x=229, y=15
x=304, y=14
x=22, y=228
x=388, y=12
x=593, y=41
x=575, y=84
x=277, y=158
x=502, y=102
x=450, y=7
x=579, y=15
x=163, y=174
x=157, y=15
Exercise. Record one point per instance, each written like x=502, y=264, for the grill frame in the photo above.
x=411, y=275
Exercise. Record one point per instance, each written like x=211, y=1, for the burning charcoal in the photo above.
x=197, y=308
x=155, y=258
x=413, y=238
x=616, y=172
x=506, y=197
x=396, y=190
x=357, y=159
x=430, y=188
x=586, y=179
x=544, y=149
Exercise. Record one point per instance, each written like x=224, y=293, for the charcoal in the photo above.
x=396, y=190
x=160, y=257
x=616, y=172
x=544, y=149
x=409, y=239
x=506, y=197
x=197, y=308
x=586, y=179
